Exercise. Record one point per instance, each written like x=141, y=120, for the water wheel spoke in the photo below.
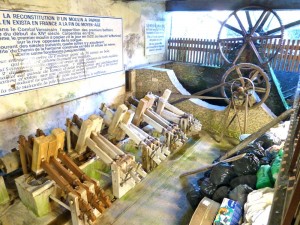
x=238, y=70
x=260, y=90
x=258, y=22
x=240, y=52
x=256, y=52
x=233, y=29
x=254, y=76
x=249, y=20
x=240, y=24
x=263, y=22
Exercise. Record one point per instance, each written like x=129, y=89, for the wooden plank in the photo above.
x=286, y=48
x=84, y=133
x=209, y=52
x=293, y=204
x=169, y=51
x=170, y=116
x=21, y=146
x=290, y=56
x=187, y=50
x=68, y=133
x=197, y=60
x=99, y=152
x=160, y=105
x=75, y=211
x=297, y=48
x=127, y=119
x=174, y=109
x=153, y=123
x=158, y=118
x=280, y=56
x=104, y=147
x=111, y=145
x=132, y=135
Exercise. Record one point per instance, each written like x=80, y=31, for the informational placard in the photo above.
x=154, y=37
x=42, y=49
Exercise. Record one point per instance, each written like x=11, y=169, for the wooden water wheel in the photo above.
x=254, y=28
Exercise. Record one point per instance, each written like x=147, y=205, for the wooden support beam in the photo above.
x=127, y=119
x=84, y=133
x=139, y=131
x=103, y=146
x=166, y=124
x=140, y=110
x=93, y=146
x=99, y=152
x=68, y=126
x=174, y=109
x=160, y=105
x=60, y=138
x=118, y=117
x=97, y=123
x=111, y=145
x=133, y=135
x=52, y=147
x=150, y=98
x=22, y=143
x=168, y=115
x=166, y=95
x=40, y=149
x=153, y=123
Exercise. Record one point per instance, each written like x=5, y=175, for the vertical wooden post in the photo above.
x=142, y=106
x=84, y=133
x=22, y=143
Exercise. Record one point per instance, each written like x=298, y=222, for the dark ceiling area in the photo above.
x=205, y=5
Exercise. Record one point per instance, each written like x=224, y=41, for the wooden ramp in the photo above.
x=160, y=198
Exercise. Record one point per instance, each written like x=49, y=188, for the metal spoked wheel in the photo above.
x=247, y=85
x=255, y=28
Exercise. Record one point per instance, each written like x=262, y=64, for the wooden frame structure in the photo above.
x=206, y=52
x=286, y=205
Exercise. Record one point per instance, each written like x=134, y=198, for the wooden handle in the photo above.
x=207, y=167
